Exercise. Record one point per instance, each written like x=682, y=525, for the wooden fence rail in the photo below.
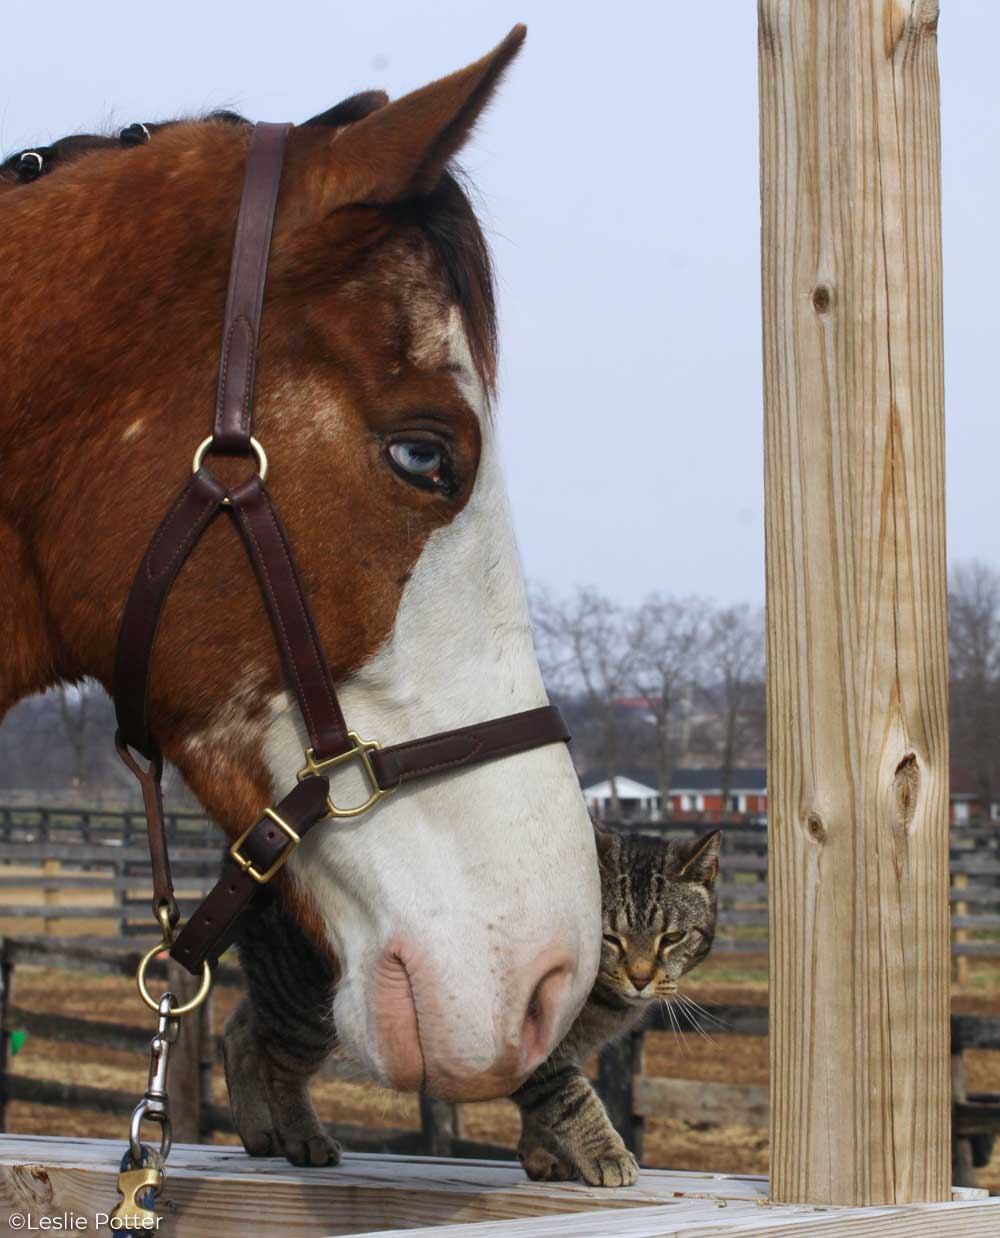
x=120, y=874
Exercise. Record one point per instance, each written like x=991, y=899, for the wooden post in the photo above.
x=857, y=626
x=440, y=1126
x=50, y=894
x=638, y=1146
x=185, y=1080
x=960, y=937
x=618, y=1064
x=6, y=1030
x=206, y=1067
x=961, y=1148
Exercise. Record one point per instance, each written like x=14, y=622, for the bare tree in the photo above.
x=974, y=647
x=668, y=636
x=736, y=663
x=73, y=710
x=584, y=645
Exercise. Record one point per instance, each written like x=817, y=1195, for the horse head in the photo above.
x=463, y=912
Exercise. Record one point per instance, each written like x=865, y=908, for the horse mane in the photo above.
x=446, y=216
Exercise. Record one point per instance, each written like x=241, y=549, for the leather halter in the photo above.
x=260, y=852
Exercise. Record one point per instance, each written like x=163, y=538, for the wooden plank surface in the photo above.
x=706, y=1219
x=215, y=1192
x=857, y=623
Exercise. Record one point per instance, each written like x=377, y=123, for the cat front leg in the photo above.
x=565, y=1132
x=272, y=1108
x=277, y=1039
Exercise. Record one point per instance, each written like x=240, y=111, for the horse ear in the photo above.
x=400, y=150
x=700, y=862
x=351, y=110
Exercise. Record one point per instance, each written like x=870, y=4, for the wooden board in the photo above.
x=215, y=1192
x=856, y=601
x=707, y=1219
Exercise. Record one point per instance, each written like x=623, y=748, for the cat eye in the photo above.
x=614, y=942
x=671, y=939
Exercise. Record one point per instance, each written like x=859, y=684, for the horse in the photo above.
x=462, y=914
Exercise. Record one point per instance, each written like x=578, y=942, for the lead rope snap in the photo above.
x=155, y=1104
x=142, y=1171
x=141, y=1175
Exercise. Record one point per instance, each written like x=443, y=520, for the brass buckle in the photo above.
x=247, y=865
x=360, y=748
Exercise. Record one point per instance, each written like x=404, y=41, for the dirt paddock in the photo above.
x=678, y=1143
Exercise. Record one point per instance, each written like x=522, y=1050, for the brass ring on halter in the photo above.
x=152, y=1002
x=258, y=451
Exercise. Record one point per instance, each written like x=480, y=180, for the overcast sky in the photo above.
x=618, y=171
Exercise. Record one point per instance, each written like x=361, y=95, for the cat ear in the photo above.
x=399, y=150
x=700, y=862
x=605, y=844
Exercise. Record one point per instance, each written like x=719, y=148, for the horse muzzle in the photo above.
x=430, y=1034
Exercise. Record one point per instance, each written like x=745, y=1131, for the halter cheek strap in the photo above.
x=262, y=850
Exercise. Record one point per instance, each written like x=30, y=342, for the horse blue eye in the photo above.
x=419, y=459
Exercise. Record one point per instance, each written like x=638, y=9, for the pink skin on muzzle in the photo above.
x=414, y=1041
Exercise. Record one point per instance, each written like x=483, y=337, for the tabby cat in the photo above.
x=659, y=918
x=658, y=907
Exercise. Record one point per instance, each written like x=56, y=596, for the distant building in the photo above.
x=636, y=799
x=967, y=800
x=694, y=794
x=696, y=791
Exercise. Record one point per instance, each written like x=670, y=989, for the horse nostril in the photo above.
x=541, y=1013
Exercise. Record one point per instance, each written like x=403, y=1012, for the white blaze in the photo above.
x=480, y=869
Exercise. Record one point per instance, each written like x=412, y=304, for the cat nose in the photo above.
x=640, y=979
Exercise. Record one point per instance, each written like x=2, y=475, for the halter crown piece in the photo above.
x=259, y=853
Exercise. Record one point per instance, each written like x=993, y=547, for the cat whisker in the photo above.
x=705, y=1014
x=685, y=1008
x=675, y=1024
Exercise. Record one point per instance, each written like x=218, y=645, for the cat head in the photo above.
x=658, y=907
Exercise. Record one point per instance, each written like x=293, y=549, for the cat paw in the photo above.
x=541, y=1165
x=259, y=1142
x=613, y=1167
x=312, y=1151
x=306, y=1152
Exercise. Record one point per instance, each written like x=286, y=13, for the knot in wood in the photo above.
x=907, y=788
x=822, y=298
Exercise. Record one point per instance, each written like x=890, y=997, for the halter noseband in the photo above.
x=259, y=853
